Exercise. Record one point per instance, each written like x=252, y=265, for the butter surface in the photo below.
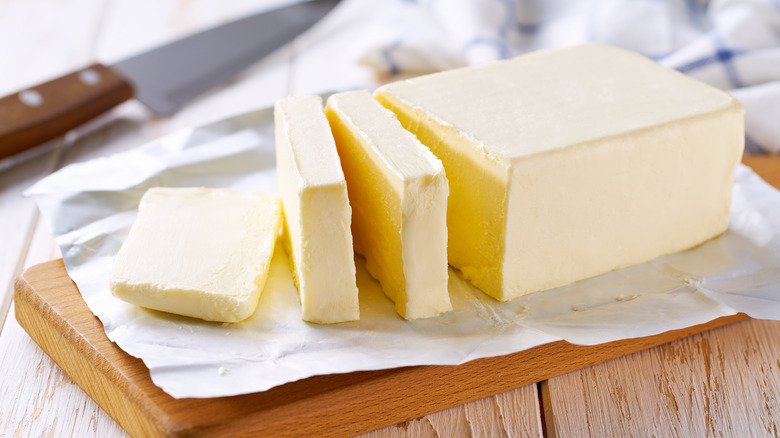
x=317, y=213
x=566, y=164
x=198, y=252
x=398, y=191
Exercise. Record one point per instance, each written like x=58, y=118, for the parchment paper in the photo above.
x=90, y=207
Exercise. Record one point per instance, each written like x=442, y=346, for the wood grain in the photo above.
x=720, y=383
x=39, y=399
x=68, y=45
x=513, y=414
x=50, y=308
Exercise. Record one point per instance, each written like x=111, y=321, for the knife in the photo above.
x=163, y=79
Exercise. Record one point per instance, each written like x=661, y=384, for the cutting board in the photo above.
x=49, y=307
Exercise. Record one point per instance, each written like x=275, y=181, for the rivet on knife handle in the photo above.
x=41, y=113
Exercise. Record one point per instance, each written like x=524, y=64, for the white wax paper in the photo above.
x=90, y=207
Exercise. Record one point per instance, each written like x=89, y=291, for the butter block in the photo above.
x=566, y=164
x=317, y=212
x=203, y=253
x=398, y=191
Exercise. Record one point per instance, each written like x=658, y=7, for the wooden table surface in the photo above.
x=725, y=382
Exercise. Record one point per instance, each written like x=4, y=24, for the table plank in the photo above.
x=520, y=412
x=38, y=399
x=48, y=40
x=37, y=396
x=42, y=40
x=718, y=383
x=18, y=216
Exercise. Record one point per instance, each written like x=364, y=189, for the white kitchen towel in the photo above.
x=731, y=44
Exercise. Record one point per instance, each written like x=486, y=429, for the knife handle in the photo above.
x=41, y=113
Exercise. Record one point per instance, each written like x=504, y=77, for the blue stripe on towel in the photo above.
x=392, y=65
x=724, y=56
x=697, y=14
x=530, y=28
x=510, y=9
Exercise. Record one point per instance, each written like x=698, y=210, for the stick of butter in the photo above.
x=317, y=212
x=198, y=252
x=398, y=191
x=566, y=164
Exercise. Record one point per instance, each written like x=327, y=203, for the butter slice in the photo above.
x=567, y=164
x=398, y=191
x=317, y=212
x=198, y=252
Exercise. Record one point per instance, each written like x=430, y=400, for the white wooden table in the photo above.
x=724, y=382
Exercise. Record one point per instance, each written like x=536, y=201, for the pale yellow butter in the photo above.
x=398, y=191
x=317, y=212
x=203, y=253
x=566, y=164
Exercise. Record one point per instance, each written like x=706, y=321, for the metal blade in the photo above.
x=171, y=75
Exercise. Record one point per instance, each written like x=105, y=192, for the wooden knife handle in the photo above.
x=38, y=114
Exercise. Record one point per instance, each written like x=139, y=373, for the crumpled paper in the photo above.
x=90, y=207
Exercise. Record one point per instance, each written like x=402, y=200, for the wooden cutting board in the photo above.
x=49, y=307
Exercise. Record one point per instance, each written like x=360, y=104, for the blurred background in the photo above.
x=731, y=44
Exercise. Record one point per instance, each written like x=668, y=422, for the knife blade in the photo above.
x=163, y=79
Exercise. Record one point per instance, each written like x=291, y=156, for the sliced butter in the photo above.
x=317, y=213
x=566, y=164
x=203, y=253
x=398, y=191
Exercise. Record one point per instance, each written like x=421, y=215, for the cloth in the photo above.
x=730, y=44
